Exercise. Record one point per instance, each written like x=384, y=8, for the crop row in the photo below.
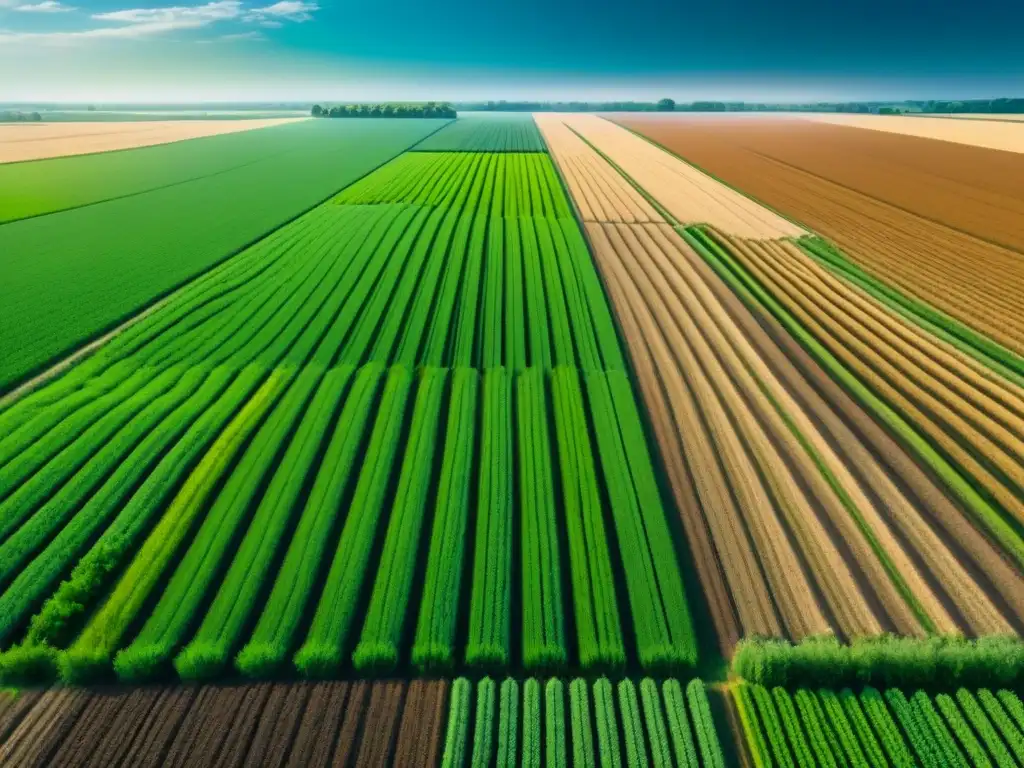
x=560, y=723
x=287, y=463
x=72, y=274
x=486, y=134
x=313, y=501
x=873, y=728
x=509, y=185
x=266, y=725
x=865, y=473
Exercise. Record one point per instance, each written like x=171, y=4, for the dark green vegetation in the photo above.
x=508, y=133
x=396, y=432
x=430, y=109
x=885, y=660
x=968, y=728
x=581, y=723
x=171, y=212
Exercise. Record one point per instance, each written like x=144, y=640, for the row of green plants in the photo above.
x=502, y=185
x=241, y=481
x=882, y=661
x=824, y=727
x=121, y=250
x=581, y=723
x=486, y=134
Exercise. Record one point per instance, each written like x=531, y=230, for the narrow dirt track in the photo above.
x=936, y=219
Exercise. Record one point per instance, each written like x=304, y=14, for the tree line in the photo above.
x=429, y=109
x=12, y=116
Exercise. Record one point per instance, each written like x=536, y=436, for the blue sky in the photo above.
x=777, y=50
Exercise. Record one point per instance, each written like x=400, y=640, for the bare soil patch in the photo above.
x=938, y=220
x=21, y=142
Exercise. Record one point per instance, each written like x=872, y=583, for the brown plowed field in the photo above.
x=943, y=403
x=758, y=486
x=804, y=515
x=689, y=195
x=266, y=724
x=943, y=221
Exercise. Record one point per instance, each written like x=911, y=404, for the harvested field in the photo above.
x=36, y=141
x=974, y=421
x=599, y=191
x=687, y=194
x=302, y=724
x=862, y=557
x=942, y=236
x=1004, y=136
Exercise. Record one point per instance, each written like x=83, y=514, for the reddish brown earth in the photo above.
x=942, y=221
x=420, y=735
x=313, y=725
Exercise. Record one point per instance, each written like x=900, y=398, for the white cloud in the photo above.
x=134, y=23
x=185, y=16
x=244, y=36
x=289, y=10
x=47, y=6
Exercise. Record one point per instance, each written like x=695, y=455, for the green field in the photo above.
x=285, y=467
x=47, y=186
x=491, y=133
x=873, y=728
x=581, y=723
x=70, y=275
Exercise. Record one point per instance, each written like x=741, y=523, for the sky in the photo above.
x=324, y=50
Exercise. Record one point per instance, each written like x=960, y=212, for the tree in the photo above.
x=317, y=111
x=666, y=105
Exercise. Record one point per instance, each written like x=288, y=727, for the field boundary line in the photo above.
x=27, y=387
x=141, y=191
x=708, y=173
x=87, y=348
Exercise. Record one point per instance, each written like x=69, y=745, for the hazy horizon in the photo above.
x=147, y=51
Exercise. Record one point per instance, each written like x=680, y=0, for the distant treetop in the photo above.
x=429, y=109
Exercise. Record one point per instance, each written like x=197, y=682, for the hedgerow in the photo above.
x=882, y=661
